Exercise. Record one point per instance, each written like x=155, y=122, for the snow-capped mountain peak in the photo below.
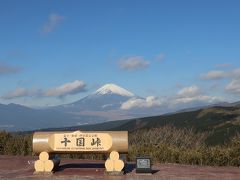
x=114, y=89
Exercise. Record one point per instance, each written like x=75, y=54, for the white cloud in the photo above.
x=133, y=63
x=223, y=65
x=66, y=89
x=53, y=21
x=149, y=102
x=60, y=91
x=7, y=69
x=22, y=92
x=214, y=75
x=189, y=91
x=19, y=92
x=198, y=98
x=193, y=94
x=160, y=57
x=233, y=86
x=235, y=73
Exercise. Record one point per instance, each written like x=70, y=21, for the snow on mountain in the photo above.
x=113, y=89
x=108, y=97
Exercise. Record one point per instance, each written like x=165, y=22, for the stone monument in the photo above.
x=46, y=144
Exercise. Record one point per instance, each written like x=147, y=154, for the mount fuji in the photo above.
x=108, y=97
x=105, y=104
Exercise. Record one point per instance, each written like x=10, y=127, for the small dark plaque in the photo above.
x=143, y=165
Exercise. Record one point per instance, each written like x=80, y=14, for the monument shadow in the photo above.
x=129, y=167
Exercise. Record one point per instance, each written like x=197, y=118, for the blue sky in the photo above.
x=55, y=52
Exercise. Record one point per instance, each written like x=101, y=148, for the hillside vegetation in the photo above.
x=165, y=145
x=171, y=145
x=220, y=123
x=204, y=137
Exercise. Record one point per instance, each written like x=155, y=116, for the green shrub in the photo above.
x=163, y=145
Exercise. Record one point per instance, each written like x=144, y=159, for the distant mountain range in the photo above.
x=15, y=117
x=104, y=105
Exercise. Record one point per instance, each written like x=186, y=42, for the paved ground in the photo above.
x=19, y=167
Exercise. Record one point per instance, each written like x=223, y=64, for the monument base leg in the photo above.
x=46, y=164
x=113, y=164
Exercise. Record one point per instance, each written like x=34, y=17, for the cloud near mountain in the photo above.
x=22, y=92
x=189, y=91
x=66, y=89
x=193, y=94
x=233, y=86
x=232, y=75
x=185, y=97
x=148, y=102
x=69, y=88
